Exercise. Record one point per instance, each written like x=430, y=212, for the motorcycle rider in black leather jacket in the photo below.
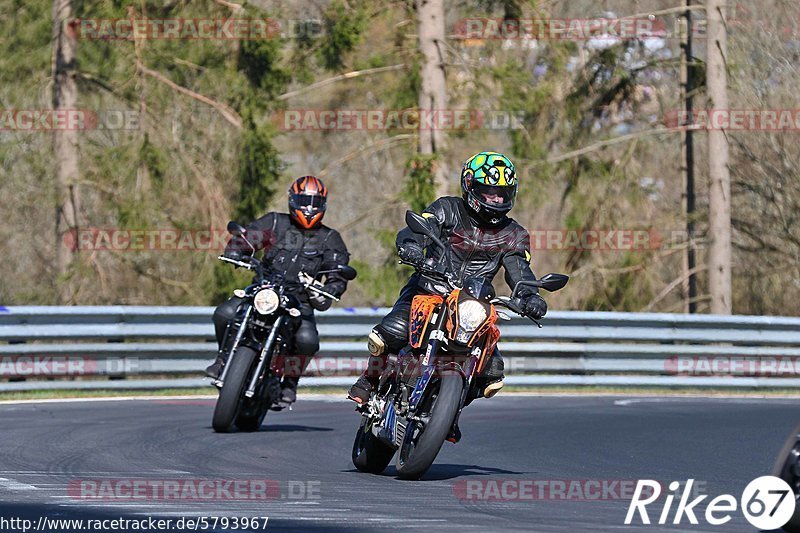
x=292, y=243
x=482, y=239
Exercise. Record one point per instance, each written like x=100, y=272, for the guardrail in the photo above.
x=125, y=346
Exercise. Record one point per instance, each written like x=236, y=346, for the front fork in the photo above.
x=265, y=353
x=428, y=360
x=239, y=334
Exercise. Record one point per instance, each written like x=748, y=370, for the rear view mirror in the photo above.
x=349, y=273
x=418, y=224
x=553, y=282
x=234, y=228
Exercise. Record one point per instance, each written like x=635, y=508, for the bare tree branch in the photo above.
x=340, y=77
x=226, y=111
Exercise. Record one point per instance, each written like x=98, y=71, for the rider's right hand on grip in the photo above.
x=235, y=255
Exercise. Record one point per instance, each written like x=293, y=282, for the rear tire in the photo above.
x=230, y=396
x=415, y=458
x=369, y=453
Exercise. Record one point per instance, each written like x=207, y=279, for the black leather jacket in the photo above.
x=476, y=250
x=290, y=249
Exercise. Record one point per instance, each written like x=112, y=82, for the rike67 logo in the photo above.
x=767, y=503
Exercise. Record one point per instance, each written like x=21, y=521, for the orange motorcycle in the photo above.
x=420, y=395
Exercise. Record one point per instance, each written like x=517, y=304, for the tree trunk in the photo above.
x=719, y=199
x=687, y=149
x=65, y=146
x=433, y=90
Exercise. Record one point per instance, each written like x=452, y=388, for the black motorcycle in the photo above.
x=422, y=392
x=249, y=384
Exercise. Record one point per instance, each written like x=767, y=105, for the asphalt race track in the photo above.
x=50, y=451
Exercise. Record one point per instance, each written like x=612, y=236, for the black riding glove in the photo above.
x=534, y=306
x=411, y=252
x=318, y=301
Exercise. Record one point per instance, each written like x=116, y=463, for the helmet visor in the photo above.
x=306, y=201
x=495, y=197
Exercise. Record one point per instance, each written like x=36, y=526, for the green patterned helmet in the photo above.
x=489, y=185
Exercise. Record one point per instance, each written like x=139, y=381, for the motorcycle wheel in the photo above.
x=369, y=453
x=419, y=451
x=253, y=422
x=230, y=396
x=787, y=467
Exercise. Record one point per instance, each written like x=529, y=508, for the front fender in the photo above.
x=421, y=389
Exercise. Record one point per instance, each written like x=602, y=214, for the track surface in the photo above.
x=722, y=443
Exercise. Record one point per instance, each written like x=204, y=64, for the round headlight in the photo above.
x=265, y=301
x=471, y=314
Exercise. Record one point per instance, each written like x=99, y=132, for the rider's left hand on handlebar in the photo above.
x=534, y=306
x=411, y=252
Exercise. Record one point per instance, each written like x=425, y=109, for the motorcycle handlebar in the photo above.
x=514, y=305
x=248, y=266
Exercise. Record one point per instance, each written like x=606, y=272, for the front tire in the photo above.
x=253, y=422
x=419, y=451
x=230, y=396
x=787, y=467
x=369, y=453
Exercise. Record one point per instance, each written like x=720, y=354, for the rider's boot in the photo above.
x=214, y=370
x=376, y=364
x=494, y=376
x=489, y=382
x=289, y=389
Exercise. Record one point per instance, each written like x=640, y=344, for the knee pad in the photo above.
x=306, y=342
x=225, y=312
x=393, y=333
x=375, y=344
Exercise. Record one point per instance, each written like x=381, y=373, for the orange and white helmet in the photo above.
x=308, y=197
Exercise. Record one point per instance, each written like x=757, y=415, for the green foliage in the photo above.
x=225, y=279
x=260, y=167
x=382, y=283
x=259, y=61
x=406, y=94
x=420, y=187
x=345, y=27
x=153, y=160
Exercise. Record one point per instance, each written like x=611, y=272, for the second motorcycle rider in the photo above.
x=482, y=239
x=292, y=243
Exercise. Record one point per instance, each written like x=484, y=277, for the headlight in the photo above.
x=471, y=314
x=265, y=301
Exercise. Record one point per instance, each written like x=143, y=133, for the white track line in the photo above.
x=337, y=398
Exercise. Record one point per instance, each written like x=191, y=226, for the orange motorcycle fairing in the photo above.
x=452, y=314
x=422, y=307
